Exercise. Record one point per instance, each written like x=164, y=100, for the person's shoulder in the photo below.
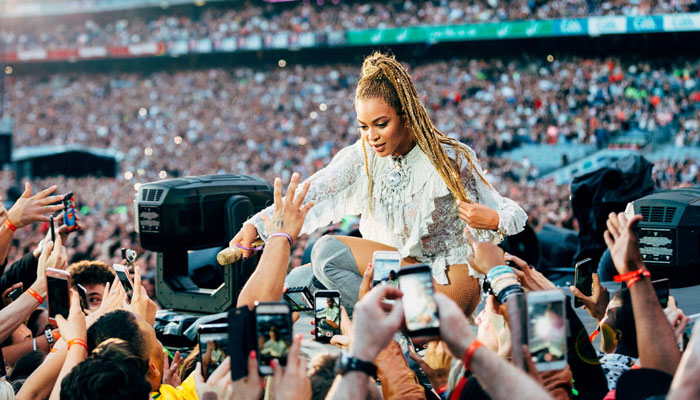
x=456, y=150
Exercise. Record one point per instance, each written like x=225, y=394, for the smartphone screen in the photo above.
x=240, y=341
x=273, y=328
x=583, y=279
x=51, y=229
x=58, y=296
x=123, y=276
x=213, y=347
x=69, y=211
x=547, y=330
x=15, y=293
x=327, y=315
x=386, y=265
x=299, y=298
x=420, y=310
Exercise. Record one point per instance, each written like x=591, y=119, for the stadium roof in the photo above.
x=26, y=153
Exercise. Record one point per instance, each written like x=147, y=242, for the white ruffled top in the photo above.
x=412, y=208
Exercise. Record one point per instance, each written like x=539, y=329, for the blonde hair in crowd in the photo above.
x=385, y=78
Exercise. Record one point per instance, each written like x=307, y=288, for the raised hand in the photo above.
x=623, y=242
x=293, y=383
x=170, y=369
x=485, y=255
x=74, y=327
x=597, y=302
x=289, y=213
x=373, y=328
x=29, y=209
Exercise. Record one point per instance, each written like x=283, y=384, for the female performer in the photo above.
x=415, y=189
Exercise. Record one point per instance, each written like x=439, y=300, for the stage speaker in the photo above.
x=186, y=221
x=669, y=234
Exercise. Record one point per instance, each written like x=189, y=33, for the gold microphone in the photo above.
x=232, y=254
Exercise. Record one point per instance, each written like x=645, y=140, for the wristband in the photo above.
x=10, y=225
x=281, y=234
x=36, y=295
x=257, y=248
x=633, y=276
x=442, y=389
x=80, y=342
x=469, y=353
x=498, y=270
x=49, y=337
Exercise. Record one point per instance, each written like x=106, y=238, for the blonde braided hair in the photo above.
x=385, y=78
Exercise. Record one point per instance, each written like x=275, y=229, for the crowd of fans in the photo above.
x=109, y=345
x=244, y=19
x=269, y=121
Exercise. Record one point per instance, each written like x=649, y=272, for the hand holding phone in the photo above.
x=51, y=229
x=58, y=293
x=583, y=279
x=123, y=276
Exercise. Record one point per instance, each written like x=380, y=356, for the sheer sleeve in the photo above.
x=511, y=216
x=338, y=190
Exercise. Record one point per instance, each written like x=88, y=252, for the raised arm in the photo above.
x=334, y=191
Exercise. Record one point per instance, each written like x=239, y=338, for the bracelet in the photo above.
x=10, y=225
x=281, y=234
x=442, y=389
x=36, y=295
x=49, y=337
x=469, y=353
x=77, y=341
x=633, y=277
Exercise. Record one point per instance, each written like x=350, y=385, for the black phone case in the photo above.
x=241, y=340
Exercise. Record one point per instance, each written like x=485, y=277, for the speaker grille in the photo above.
x=151, y=194
x=658, y=214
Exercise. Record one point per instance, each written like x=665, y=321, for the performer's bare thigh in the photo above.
x=461, y=288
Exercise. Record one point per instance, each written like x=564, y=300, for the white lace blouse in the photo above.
x=412, y=208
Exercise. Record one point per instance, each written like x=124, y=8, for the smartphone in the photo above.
x=123, y=275
x=299, y=298
x=327, y=314
x=51, y=229
x=241, y=340
x=419, y=307
x=82, y=293
x=57, y=285
x=547, y=329
x=583, y=279
x=15, y=293
x=386, y=266
x=213, y=347
x=69, y=212
x=273, y=330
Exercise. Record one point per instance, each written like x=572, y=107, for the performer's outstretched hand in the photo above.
x=478, y=216
x=289, y=213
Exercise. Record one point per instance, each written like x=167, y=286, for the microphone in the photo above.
x=232, y=254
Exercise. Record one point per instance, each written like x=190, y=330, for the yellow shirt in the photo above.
x=185, y=391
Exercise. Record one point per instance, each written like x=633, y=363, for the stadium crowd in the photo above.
x=217, y=23
x=268, y=121
x=109, y=345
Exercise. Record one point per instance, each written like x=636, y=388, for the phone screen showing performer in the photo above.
x=273, y=327
x=547, y=329
x=327, y=305
x=386, y=266
x=213, y=347
x=419, y=307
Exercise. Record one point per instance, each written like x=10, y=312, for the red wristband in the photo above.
x=10, y=225
x=633, y=277
x=77, y=341
x=36, y=295
x=469, y=353
x=442, y=389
